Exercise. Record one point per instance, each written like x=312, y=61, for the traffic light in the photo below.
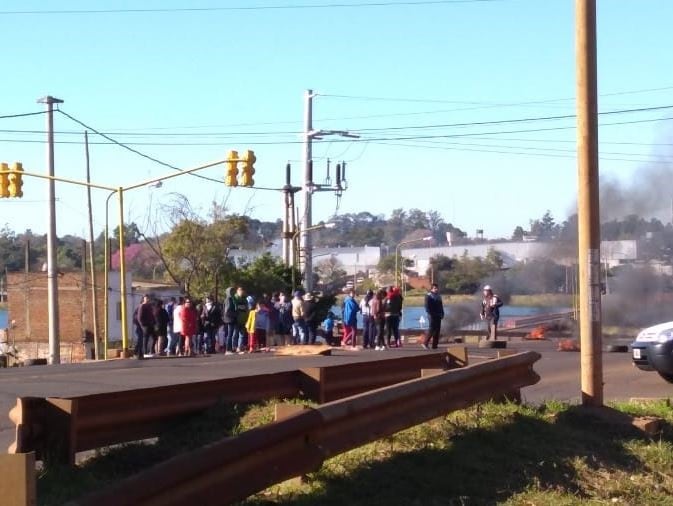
x=15, y=180
x=4, y=181
x=248, y=169
x=231, y=176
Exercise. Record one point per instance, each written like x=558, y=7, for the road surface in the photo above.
x=559, y=371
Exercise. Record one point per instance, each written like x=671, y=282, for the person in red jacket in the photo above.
x=190, y=319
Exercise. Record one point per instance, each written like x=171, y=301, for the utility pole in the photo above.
x=309, y=187
x=589, y=239
x=289, y=223
x=52, y=268
x=305, y=253
x=92, y=265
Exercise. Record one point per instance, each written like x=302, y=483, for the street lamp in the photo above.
x=295, y=236
x=397, y=253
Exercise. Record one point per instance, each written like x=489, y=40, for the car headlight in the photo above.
x=665, y=335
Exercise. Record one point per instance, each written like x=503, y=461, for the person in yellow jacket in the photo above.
x=257, y=325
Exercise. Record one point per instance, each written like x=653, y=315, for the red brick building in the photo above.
x=28, y=312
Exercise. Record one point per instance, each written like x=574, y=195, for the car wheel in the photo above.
x=668, y=377
x=617, y=348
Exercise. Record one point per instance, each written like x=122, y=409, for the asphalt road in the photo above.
x=559, y=371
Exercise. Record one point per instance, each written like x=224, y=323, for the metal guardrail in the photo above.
x=234, y=468
x=59, y=427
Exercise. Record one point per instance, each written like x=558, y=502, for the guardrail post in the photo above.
x=18, y=473
x=457, y=356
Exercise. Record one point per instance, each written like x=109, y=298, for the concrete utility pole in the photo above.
x=305, y=253
x=588, y=214
x=52, y=268
x=309, y=187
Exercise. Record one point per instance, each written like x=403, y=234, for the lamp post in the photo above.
x=295, y=236
x=397, y=253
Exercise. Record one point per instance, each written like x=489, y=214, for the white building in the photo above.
x=353, y=260
x=612, y=252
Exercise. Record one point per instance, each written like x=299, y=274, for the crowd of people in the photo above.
x=243, y=324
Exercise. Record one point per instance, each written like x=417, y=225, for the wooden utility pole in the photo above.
x=588, y=215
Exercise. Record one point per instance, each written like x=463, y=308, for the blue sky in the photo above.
x=185, y=87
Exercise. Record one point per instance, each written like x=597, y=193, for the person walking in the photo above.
x=350, y=320
x=392, y=307
x=210, y=321
x=190, y=326
x=230, y=320
x=160, y=327
x=368, y=325
x=378, y=319
x=146, y=320
x=490, y=312
x=434, y=307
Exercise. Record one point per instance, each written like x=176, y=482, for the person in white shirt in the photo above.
x=176, y=345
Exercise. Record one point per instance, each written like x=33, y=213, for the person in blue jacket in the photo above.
x=350, y=318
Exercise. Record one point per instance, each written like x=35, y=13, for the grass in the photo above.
x=553, y=454
x=498, y=454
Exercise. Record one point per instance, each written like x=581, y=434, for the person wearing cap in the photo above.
x=490, y=312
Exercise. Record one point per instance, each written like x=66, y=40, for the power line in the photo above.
x=132, y=150
x=441, y=101
x=379, y=129
x=22, y=115
x=335, y=5
x=532, y=155
x=517, y=120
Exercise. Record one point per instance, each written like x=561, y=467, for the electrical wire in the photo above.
x=361, y=139
x=531, y=119
x=22, y=115
x=132, y=150
x=333, y=5
x=532, y=155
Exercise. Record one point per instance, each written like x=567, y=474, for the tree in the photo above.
x=264, y=275
x=545, y=227
x=330, y=270
x=518, y=233
x=11, y=251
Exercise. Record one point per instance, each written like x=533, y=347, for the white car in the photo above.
x=653, y=350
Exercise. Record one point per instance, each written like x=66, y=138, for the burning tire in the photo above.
x=617, y=348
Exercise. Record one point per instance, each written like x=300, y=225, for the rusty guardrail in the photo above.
x=59, y=427
x=234, y=468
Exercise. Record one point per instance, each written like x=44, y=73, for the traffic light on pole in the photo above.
x=16, y=180
x=4, y=181
x=248, y=169
x=231, y=175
